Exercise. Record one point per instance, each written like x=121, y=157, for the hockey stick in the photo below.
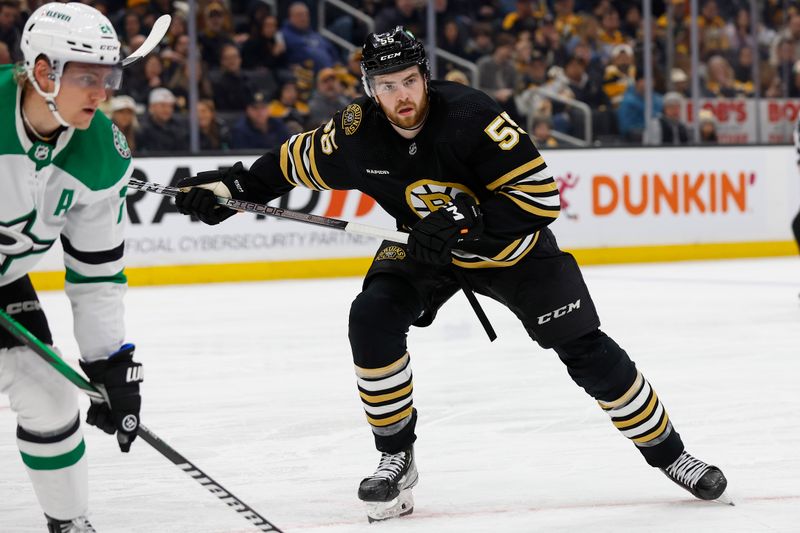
x=327, y=222
x=262, y=209
x=49, y=355
x=157, y=32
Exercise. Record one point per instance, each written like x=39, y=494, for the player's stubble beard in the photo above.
x=414, y=120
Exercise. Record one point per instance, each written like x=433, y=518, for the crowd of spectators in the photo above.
x=265, y=75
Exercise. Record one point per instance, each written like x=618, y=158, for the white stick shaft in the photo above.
x=157, y=33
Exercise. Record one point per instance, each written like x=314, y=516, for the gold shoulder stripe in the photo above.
x=297, y=159
x=313, y=161
x=532, y=208
x=508, y=176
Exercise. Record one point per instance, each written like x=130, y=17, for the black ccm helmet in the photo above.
x=384, y=53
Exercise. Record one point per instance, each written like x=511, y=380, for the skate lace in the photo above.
x=77, y=525
x=390, y=465
x=687, y=470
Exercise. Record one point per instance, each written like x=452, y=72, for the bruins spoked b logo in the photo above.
x=426, y=196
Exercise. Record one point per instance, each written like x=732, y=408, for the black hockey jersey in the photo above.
x=467, y=144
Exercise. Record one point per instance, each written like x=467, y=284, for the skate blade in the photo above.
x=401, y=506
x=725, y=498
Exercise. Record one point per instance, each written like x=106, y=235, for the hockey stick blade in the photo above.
x=278, y=212
x=157, y=33
x=44, y=351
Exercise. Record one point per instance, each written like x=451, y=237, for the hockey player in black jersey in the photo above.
x=469, y=186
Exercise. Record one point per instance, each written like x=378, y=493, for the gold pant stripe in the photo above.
x=655, y=433
x=388, y=370
x=648, y=411
x=379, y=398
x=380, y=422
x=625, y=398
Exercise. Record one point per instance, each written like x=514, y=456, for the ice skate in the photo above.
x=76, y=525
x=387, y=492
x=704, y=481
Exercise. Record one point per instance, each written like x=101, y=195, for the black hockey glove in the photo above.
x=118, y=378
x=434, y=237
x=200, y=198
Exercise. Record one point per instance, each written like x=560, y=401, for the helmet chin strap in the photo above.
x=50, y=98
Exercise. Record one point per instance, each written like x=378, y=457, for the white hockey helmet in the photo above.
x=69, y=32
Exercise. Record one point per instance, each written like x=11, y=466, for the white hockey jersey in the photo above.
x=73, y=191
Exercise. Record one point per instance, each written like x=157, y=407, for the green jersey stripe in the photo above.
x=74, y=277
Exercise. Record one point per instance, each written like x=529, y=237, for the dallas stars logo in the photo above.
x=17, y=240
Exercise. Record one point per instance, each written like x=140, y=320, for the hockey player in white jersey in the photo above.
x=63, y=174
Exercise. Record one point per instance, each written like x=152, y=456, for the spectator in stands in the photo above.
x=667, y=128
x=708, y=127
x=788, y=37
x=630, y=113
x=216, y=33
x=582, y=87
x=457, y=76
x=794, y=86
x=139, y=85
x=714, y=39
x=231, y=86
x=498, y=77
x=525, y=17
x=305, y=46
x=785, y=62
x=631, y=26
x=173, y=58
x=351, y=78
x=327, y=99
x=743, y=68
x=609, y=34
x=131, y=27
x=453, y=39
x=480, y=44
x=288, y=108
x=721, y=82
x=620, y=73
x=566, y=20
x=256, y=129
x=179, y=85
x=9, y=29
x=542, y=135
x=162, y=131
x=123, y=115
x=267, y=49
x=406, y=13
x=214, y=133
x=680, y=81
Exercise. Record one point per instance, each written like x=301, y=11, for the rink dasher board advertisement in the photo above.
x=611, y=199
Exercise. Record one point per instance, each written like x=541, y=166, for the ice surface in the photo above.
x=254, y=383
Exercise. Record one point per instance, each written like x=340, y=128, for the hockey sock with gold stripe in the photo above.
x=640, y=416
x=387, y=395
